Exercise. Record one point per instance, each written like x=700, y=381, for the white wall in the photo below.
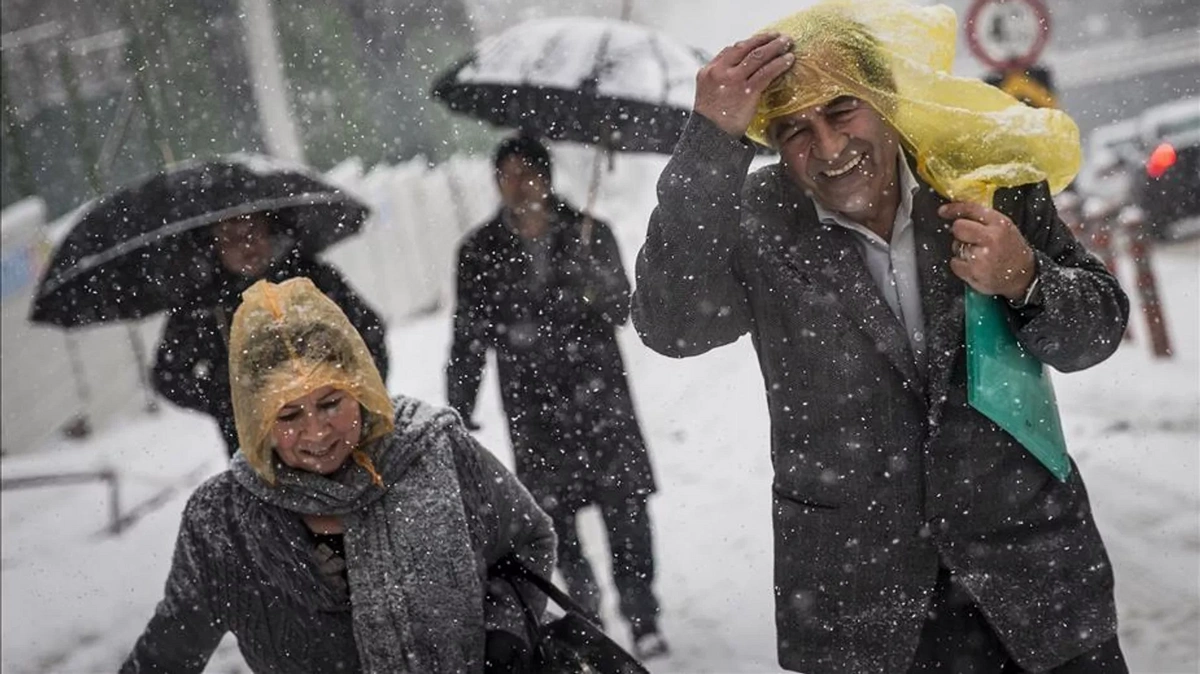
x=403, y=260
x=38, y=392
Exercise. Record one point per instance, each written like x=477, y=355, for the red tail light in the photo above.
x=1160, y=160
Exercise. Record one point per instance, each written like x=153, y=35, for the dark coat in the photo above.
x=191, y=368
x=571, y=418
x=882, y=473
x=248, y=567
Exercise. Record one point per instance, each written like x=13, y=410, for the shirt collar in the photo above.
x=908, y=187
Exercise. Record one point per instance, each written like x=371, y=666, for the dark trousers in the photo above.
x=630, y=544
x=957, y=639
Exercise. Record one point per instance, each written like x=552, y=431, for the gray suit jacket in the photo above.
x=882, y=473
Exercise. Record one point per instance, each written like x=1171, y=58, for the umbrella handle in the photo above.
x=585, y=230
x=138, y=346
x=222, y=323
x=79, y=425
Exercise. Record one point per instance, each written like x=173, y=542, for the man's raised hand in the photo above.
x=729, y=86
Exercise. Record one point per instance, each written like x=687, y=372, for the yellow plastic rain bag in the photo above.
x=287, y=340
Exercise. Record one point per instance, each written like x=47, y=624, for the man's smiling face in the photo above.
x=842, y=153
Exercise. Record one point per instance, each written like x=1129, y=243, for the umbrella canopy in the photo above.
x=589, y=80
x=146, y=248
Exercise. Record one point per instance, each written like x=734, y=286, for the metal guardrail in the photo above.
x=115, y=522
x=1109, y=229
x=118, y=521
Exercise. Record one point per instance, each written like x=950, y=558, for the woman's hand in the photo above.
x=505, y=653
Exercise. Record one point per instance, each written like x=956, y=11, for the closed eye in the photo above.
x=841, y=115
x=791, y=133
x=843, y=108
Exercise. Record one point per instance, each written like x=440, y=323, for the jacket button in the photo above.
x=1048, y=344
x=935, y=526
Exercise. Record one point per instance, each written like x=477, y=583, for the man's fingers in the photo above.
x=763, y=77
x=964, y=270
x=736, y=53
x=764, y=54
x=972, y=211
x=970, y=231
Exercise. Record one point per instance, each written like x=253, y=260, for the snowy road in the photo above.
x=73, y=600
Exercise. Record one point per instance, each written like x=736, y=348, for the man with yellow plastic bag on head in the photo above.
x=912, y=532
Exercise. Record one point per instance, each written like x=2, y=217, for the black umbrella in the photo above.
x=611, y=83
x=614, y=84
x=147, y=248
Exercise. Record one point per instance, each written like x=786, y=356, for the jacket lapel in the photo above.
x=827, y=256
x=941, y=295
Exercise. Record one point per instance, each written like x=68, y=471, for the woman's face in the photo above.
x=244, y=244
x=317, y=432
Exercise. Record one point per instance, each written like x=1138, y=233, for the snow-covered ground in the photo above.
x=74, y=599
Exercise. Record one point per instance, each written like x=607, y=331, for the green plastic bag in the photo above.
x=1010, y=386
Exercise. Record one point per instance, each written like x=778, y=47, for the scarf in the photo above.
x=416, y=599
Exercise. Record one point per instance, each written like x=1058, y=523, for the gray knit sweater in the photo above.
x=244, y=566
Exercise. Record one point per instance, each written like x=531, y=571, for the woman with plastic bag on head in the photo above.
x=190, y=367
x=352, y=533
x=913, y=532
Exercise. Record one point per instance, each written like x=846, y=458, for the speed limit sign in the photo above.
x=1007, y=34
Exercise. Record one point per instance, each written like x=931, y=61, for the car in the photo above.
x=1167, y=186
x=1113, y=158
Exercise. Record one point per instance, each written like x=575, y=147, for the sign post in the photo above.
x=1009, y=36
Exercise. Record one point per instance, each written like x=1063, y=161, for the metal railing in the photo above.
x=118, y=520
x=109, y=477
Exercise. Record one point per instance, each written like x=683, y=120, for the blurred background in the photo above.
x=99, y=94
x=352, y=78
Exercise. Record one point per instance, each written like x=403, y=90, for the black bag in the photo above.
x=570, y=644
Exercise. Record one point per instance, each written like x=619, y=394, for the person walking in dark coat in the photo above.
x=911, y=532
x=191, y=366
x=548, y=303
x=353, y=532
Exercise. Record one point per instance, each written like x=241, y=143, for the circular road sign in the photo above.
x=1007, y=34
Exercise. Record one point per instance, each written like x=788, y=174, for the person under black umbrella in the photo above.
x=191, y=366
x=548, y=304
x=188, y=240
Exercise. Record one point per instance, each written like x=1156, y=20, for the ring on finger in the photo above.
x=962, y=250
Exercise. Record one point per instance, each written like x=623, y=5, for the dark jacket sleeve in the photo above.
x=191, y=367
x=361, y=315
x=689, y=297
x=1083, y=314
x=594, y=282
x=185, y=628
x=511, y=523
x=472, y=332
